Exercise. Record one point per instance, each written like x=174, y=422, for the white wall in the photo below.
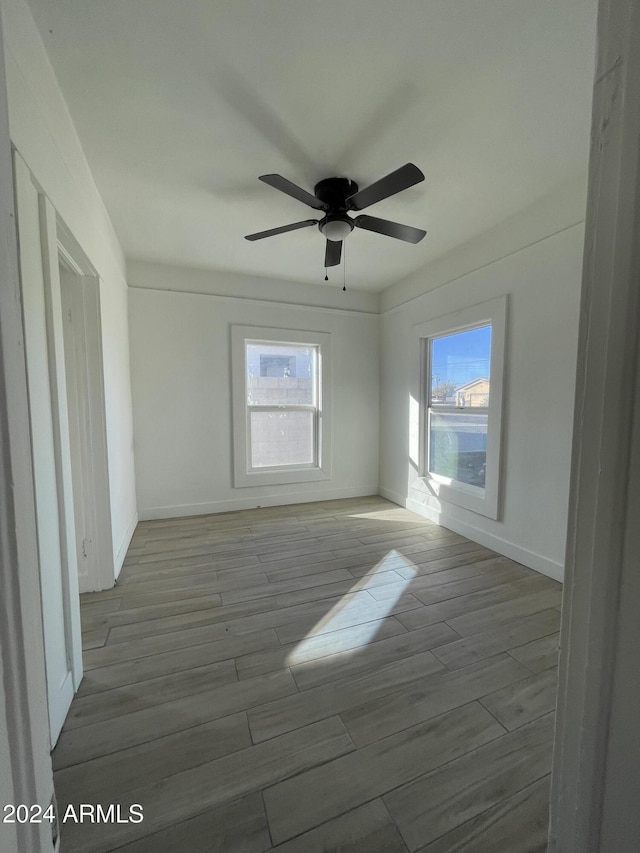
x=542, y=281
x=43, y=132
x=181, y=379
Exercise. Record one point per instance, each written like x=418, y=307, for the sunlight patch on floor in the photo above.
x=358, y=610
x=395, y=514
x=385, y=515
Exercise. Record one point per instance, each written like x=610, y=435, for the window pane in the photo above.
x=458, y=446
x=282, y=438
x=280, y=374
x=460, y=369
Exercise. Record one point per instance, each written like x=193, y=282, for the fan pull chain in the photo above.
x=344, y=264
x=326, y=277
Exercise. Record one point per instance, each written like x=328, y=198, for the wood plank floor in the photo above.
x=335, y=676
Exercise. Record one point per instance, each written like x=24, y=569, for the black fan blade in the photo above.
x=282, y=229
x=390, y=229
x=403, y=178
x=333, y=253
x=285, y=186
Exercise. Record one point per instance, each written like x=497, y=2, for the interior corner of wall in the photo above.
x=121, y=553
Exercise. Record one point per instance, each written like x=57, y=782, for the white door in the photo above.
x=75, y=358
x=50, y=450
x=82, y=332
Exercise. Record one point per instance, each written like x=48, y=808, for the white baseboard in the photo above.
x=184, y=510
x=526, y=557
x=118, y=560
x=392, y=496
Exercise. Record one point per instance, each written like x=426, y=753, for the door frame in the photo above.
x=24, y=733
x=44, y=243
x=44, y=352
x=596, y=769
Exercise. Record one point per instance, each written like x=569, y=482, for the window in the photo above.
x=461, y=359
x=459, y=379
x=282, y=404
x=281, y=398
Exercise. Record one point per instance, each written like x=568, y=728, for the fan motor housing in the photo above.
x=334, y=192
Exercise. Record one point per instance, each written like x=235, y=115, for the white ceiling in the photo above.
x=181, y=104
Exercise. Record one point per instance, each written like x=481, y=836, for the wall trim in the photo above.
x=531, y=559
x=398, y=306
x=185, y=510
x=124, y=546
x=265, y=302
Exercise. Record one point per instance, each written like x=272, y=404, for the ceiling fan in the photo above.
x=337, y=197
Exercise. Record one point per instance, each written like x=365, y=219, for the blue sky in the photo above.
x=461, y=357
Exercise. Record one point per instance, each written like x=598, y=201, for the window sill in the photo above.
x=279, y=477
x=468, y=497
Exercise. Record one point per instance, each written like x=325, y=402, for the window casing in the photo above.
x=281, y=395
x=461, y=360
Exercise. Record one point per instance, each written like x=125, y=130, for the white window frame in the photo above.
x=482, y=501
x=320, y=469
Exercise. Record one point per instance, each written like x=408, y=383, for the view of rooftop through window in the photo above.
x=460, y=368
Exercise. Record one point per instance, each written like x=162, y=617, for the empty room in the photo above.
x=319, y=426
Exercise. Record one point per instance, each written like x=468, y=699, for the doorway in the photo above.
x=80, y=302
x=68, y=433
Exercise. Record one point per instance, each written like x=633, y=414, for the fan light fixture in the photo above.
x=336, y=229
x=336, y=198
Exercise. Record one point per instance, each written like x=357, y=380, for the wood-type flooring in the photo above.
x=332, y=676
